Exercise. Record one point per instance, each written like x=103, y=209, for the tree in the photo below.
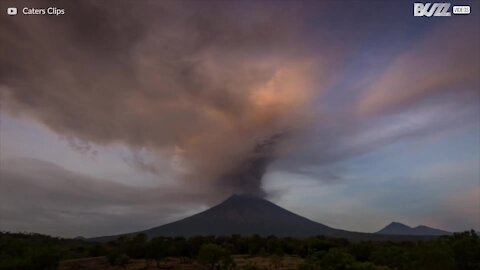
x=211, y=255
x=466, y=250
x=312, y=262
x=136, y=247
x=115, y=257
x=336, y=259
x=45, y=258
x=156, y=250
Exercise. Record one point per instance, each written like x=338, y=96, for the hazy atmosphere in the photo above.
x=143, y=114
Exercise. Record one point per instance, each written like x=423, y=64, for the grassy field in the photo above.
x=241, y=261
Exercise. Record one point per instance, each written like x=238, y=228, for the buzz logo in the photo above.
x=429, y=9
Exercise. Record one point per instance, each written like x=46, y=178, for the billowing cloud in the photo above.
x=208, y=85
x=427, y=88
x=216, y=95
x=437, y=66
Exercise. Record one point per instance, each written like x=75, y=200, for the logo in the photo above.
x=12, y=11
x=461, y=10
x=429, y=9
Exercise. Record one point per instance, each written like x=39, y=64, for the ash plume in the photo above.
x=207, y=86
x=246, y=177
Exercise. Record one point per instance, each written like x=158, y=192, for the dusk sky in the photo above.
x=124, y=115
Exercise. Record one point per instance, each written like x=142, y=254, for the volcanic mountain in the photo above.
x=249, y=215
x=242, y=214
x=396, y=228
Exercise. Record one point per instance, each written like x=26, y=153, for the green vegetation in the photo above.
x=214, y=257
x=32, y=251
x=35, y=251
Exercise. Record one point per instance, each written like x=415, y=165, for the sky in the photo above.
x=124, y=115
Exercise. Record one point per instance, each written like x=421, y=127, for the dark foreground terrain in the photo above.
x=33, y=251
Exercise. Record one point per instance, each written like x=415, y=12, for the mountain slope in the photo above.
x=244, y=215
x=396, y=228
x=248, y=215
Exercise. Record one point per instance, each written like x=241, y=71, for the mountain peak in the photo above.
x=242, y=198
x=397, y=228
x=242, y=214
x=395, y=224
x=237, y=196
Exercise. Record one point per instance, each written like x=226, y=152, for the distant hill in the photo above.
x=248, y=215
x=396, y=228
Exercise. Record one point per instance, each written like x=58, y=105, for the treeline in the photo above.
x=459, y=251
x=35, y=251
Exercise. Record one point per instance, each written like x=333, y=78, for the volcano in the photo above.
x=396, y=228
x=245, y=215
x=249, y=215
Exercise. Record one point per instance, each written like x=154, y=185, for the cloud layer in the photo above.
x=216, y=95
x=206, y=86
x=43, y=197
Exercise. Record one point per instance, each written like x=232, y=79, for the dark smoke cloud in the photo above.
x=199, y=91
x=246, y=177
x=209, y=85
x=205, y=83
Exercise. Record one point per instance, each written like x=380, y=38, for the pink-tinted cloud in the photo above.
x=438, y=65
x=164, y=76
